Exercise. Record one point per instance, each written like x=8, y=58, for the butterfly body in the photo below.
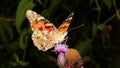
x=45, y=34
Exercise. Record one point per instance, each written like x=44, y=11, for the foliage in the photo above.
x=97, y=41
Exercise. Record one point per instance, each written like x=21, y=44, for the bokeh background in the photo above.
x=98, y=41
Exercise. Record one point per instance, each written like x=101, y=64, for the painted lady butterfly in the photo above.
x=45, y=34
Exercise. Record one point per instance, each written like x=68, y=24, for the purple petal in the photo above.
x=61, y=60
x=61, y=48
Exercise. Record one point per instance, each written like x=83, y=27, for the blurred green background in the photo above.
x=98, y=41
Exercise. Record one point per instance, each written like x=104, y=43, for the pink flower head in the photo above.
x=61, y=60
x=61, y=48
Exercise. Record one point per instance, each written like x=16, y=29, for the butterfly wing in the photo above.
x=43, y=31
x=63, y=28
x=38, y=22
x=45, y=34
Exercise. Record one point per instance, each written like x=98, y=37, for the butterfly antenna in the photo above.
x=76, y=27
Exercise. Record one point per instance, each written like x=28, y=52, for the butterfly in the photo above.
x=45, y=35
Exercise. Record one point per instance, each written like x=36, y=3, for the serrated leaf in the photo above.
x=23, y=6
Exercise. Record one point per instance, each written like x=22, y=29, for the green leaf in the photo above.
x=16, y=57
x=23, y=63
x=97, y=8
x=23, y=6
x=101, y=26
x=2, y=34
x=94, y=29
x=108, y=3
x=54, y=5
x=24, y=37
x=8, y=29
x=6, y=32
x=39, y=1
x=21, y=41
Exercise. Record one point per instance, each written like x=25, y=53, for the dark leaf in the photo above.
x=23, y=6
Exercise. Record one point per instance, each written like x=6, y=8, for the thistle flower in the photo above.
x=61, y=48
x=61, y=60
x=68, y=58
x=73, y=59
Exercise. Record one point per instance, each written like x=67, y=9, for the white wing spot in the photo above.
x=40, y=18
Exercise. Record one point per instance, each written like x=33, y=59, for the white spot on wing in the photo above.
x=40, y=18
x=70, y=18
x=35, y=32
x=28, y=13
x=32, y=29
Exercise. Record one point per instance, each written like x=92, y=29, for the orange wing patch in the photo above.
x=63, y=28
x=42, y=25
x=38, y=25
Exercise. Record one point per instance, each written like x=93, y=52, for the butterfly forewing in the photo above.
x=37, y=21
x=63, y=28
